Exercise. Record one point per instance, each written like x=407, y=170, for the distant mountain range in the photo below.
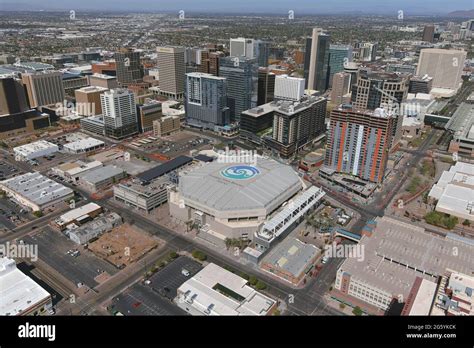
x=461, y=14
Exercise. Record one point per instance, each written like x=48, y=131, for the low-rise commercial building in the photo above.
x=19, y=294
x=74, y=170
x=455, y=295
x=77, y=216
x=84, y=145
x=454, y=191
x=81, y=234
x=216, y=291
x=143, y=197
x=35, y=191
x=166, y=125
x=93, y=124
x=291, y=260
x=101, y=178
x=34, y=150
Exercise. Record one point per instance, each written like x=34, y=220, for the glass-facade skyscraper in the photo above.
x=338, y=55
x=316, y=65
x=242, y=84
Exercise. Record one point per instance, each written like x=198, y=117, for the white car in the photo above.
x=185, y=272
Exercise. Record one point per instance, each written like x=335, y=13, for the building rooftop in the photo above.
x=92, y=89
x=423, y=296
x=36, y=188
x=83, y=144
x=224, y=293
x=77, y=213
x=100, y=174
x=148, y=190
x=292, y=256
x=240, y=186
x=104, y=77
x=35, y=66
x=455, y=190
x=18, y=292
x=461, y=123
x=398, y=252
x=31, y=148
x=164, y=168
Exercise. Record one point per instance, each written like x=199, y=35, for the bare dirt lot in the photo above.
x=123, y=245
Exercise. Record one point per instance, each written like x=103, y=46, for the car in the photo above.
x=185, y=272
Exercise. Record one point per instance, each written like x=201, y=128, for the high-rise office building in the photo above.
x=340, y=88
x=296, y=124
x=129, y=67
x=214, y=58
x=263, y=53
x=43, y=88
x=367, y=51
x=206, y=100
x=204, y=61
x=88, y=100
x=252, y=49
x=147, y=113
x=316, y=65
x=339, y=55
x=119, y=113
x=12, y=96
x=289, y=88
x=359, y=142
x=266, y=86
x=428, y=33
x=172, y=71
x=242, y=84
x=242, y=47
x=375, y=89
x=445, y=66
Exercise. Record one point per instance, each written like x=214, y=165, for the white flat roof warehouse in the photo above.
x=216, y=291
x=35, y=190
x=18, y=292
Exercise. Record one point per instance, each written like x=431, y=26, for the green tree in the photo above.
x=38, y=213
x=253, y=280
x=466, y=223
x=173, y=255
x=199, y=255
x=260, y=285
x=357, y=311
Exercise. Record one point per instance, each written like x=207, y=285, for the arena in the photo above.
x=232, y=200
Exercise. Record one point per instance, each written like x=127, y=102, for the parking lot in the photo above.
x=142, y=300
x=167, y=281
x=53, y=249
x=12, y=215
x=173, y=145
x=7, y=170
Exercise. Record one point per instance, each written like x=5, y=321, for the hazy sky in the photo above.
x=247, y=6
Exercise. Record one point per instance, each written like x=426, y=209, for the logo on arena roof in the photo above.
x=240, y=172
